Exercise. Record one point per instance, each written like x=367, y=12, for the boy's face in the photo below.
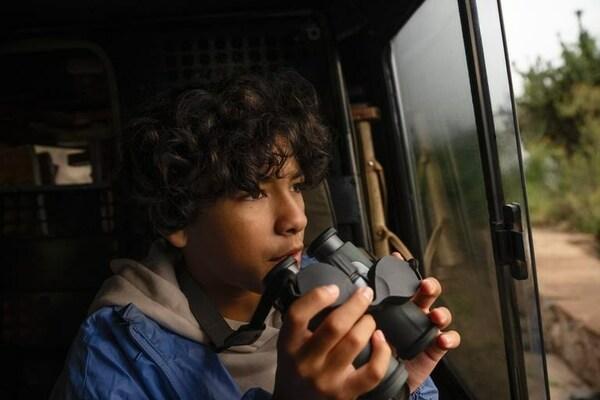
x=234, y=243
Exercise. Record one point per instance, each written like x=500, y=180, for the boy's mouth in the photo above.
x=296, y=253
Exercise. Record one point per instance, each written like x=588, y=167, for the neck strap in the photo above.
x=214, y=325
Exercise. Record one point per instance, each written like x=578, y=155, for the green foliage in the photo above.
x=551, y=105
x=559, y=115
x=563, y=188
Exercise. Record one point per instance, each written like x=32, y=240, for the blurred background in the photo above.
x=554, y=49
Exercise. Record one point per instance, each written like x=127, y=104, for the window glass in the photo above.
x=439, y=128
x=509, y=151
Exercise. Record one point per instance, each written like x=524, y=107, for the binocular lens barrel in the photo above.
x=325, y=244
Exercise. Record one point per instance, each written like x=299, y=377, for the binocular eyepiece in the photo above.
x=394, y=283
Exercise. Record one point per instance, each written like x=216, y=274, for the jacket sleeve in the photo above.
x=94, y=371
x=427, y=391
x=117, y=356
x=98, y=366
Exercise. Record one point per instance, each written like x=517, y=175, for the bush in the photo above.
x=564, y=188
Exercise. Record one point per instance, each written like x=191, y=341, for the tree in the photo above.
x=559, y=115
x=560, y=103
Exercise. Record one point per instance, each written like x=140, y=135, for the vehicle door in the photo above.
x=450, y=80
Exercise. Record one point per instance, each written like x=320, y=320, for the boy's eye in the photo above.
x=299, y=187
x=253, y=196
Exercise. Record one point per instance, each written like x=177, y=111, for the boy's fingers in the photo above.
x=429, y=290
x=441, y=317
x=369, y=375
x=353, y=343
x=295, y=326
x=449, y=340
x=444, y=342
x=337, y=324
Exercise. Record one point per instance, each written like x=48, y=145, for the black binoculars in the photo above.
x=394, y=283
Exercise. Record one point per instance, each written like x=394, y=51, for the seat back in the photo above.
x=319, y=211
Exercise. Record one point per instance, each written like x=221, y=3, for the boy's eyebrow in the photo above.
x=298, y=174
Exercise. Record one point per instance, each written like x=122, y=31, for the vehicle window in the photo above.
x=440, y=135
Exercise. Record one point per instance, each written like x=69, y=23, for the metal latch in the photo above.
x=509, y=236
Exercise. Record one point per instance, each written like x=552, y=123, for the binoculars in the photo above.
x=394, y=283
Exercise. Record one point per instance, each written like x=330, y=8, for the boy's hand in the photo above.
x=314, y=365
x=420, y=367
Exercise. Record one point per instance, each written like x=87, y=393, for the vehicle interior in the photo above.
x=73, y=73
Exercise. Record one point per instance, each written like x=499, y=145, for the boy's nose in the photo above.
x=291, y=218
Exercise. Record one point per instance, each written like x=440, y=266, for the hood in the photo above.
x=155, y=287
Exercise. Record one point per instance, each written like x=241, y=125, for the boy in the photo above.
x=221, y=174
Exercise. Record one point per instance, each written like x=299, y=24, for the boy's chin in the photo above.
x=257, y=287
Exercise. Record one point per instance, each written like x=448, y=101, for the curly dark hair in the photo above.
x=189, y=149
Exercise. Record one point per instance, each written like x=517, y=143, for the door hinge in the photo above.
x=509, y=237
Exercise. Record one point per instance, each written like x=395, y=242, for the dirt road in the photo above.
x=568, y=269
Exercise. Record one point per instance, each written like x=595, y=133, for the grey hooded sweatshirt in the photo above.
x=156, y=288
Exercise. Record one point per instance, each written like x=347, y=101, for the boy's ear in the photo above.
x=177, y=238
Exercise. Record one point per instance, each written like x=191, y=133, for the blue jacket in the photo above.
x=119, y=353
